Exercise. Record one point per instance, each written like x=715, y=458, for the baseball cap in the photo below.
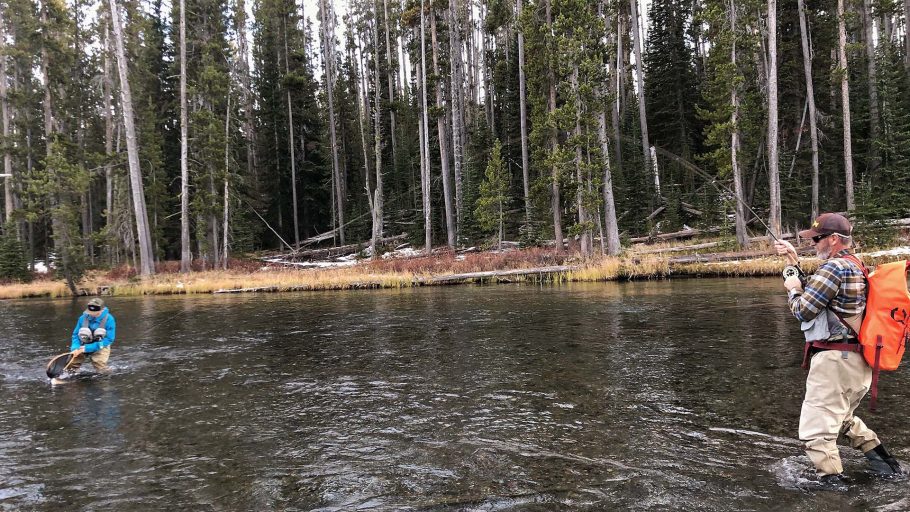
x=95, y=303
x=827, y=224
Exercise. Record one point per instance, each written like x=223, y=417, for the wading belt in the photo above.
x=812, y=347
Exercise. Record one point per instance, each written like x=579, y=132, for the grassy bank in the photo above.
x=636, y=263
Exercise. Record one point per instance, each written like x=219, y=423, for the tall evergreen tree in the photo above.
x=671, y=88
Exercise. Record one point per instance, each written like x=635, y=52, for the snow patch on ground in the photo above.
x=344, y=261
x=404, y=252
x=897, y=251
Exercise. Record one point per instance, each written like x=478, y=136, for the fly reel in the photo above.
x=794, y=271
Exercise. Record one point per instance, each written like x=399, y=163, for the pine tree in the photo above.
x=733, y=113
x=138, y=194
x=494, y=199
x=64, y=179
x=13, y=264
x=671, y=89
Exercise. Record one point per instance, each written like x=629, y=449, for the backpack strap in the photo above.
x=875, y=371
x=85, y=320
x=879, y=343
x=856, y=261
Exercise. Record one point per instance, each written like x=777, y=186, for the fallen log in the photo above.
x=686, y=233
x=707, y=245
x=682, y=248
x=731, y=256
x=498, y=274
x=656, y=212
x=248, y=290
x=330, y=252
x=691, y=211
x=716, y=257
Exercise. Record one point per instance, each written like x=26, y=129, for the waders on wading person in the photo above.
x=830, y=305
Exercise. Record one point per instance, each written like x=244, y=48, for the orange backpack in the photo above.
x=884, y=331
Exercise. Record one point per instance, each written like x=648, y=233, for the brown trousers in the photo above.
x=837, y=383
x=98, y=359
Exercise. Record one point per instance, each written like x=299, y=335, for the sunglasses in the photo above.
x=94, y=308
x=818, y=238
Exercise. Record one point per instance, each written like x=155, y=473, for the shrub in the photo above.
x=13, y=264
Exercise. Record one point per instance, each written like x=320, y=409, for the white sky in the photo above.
x=311, y=10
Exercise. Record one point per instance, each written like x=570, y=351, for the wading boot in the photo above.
x=838, y=482
x=882, y=463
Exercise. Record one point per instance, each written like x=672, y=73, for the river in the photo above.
x=665, y=395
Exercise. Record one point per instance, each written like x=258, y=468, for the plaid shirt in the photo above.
x=838, y=283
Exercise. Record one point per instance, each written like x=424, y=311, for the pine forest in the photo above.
x=197, y=130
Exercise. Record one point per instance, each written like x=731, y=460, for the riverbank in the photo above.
x=517, y=265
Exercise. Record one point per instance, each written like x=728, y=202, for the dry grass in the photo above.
x=407, y=272
x=273, y=278
x=449, y=263
x=40, y=288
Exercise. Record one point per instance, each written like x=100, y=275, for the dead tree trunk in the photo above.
x=773, y=159
x=456, y=93
x=425, y=180
x=363, y=113
x=107, y=93
x=441, y=131
x=845, y=103
x=9, y=203
x=556, y=202
x=146, y=255
x=618, y=85
x=291, y=142
x=377, y=202
x=328, y=36
x=872, y=82
x=186, y=254
x=742, y=236
x=391, y=82
x=243, y=67
x=642, y=111
x=523, y=114
x=225, y=219
x=810, y=99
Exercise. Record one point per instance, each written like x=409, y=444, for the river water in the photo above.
x=668, y=395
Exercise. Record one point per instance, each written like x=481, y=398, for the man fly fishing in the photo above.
x=830, y=305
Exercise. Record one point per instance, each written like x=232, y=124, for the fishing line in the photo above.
x=147, y=331
x=704, y=174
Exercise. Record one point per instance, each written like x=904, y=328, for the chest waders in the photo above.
x=86, y=335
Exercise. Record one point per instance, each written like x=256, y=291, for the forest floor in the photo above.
x=405, y=267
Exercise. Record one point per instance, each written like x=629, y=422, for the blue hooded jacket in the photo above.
x=93, y=323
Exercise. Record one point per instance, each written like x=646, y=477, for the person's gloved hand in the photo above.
x=78, y=351
x=793, y=282
x=785, y=248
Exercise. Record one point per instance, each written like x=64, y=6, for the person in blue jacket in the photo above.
x=93, y=336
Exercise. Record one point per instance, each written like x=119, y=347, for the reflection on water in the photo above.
x=632, y=396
